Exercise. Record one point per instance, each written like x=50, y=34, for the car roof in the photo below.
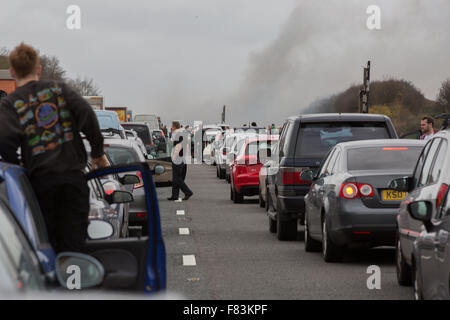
x=119, y=142
x=315, y=117
x=135, y=123
x=382, y=143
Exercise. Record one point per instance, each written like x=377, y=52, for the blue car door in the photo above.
x=136, y=264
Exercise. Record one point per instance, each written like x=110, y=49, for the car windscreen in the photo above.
x=106, y=122
x=253, y=147
x=383, y=158
x=141, y=130
x=316, y=139
x=119, y=155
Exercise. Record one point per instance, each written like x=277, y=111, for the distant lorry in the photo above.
x=121, y=112
x=151, y=119
x=96, y=102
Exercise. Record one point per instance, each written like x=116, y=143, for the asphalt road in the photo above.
x=236, y=257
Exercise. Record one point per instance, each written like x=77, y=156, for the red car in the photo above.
x=246, y=166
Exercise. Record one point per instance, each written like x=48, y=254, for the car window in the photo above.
x=334, y=166
x=254, y=147
x=288, y=143
x=383, y=158
x=438, y=164
x=315, y=139
x=121, y=155
x=142, y=131
x=330, y=165
x=283, y=137
x=420, y=162
x=324, y=165
x=16, y=253
x=423, y=180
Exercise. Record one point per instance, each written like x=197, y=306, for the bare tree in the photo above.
x=443, y=97
x=84, y=87
x=51, y=69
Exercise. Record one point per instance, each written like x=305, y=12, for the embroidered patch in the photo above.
x=68, y=136
x=31, y=129
x=27, y=117
x=44, y=95
x=34, y=141
x=38, y=150
x=47, y=115
x=47, y=136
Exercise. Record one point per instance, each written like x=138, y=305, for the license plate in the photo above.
x=393, y=195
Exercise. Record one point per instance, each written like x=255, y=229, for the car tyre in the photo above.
x=330, y=251
x=237, y=196
x=311, y=245
x=221, y=174
x=404, y=274
x=262, y=203
x=417, y=285
x=272, y=225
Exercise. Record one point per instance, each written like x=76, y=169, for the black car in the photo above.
x=144, y=132
x=422, y=248
x=304, y=142
x=349, y=203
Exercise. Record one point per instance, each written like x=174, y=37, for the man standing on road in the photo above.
x=427, y=128
x=179, y=166
x=43, y=119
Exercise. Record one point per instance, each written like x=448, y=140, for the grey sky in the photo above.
x=265, y=59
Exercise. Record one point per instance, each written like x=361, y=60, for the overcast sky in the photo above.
x=264, y=59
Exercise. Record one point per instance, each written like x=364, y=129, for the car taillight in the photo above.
x=141, y=215
x=140, y=184
x=366, y=190
x=349, y=191
x=292, y=176
x=224, y=152
x=441, y=195
x=109, y=188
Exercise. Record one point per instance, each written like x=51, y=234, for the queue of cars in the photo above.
x=353, y=183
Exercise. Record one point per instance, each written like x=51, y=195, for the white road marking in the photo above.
x=179, y=200
x=184, y=231
x=189, y=260
x=180, y=212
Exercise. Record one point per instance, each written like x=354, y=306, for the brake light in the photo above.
x=140, y=184
x=109, y=188
x=395, y=148
x=366, y=190
x=224, y=152
x=141, y=215
x=441, y=195
x=292, y=176
x=349, y=191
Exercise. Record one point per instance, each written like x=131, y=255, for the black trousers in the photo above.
x=178, y=175
x=64, y=202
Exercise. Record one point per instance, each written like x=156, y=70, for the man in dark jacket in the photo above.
x=44, y=119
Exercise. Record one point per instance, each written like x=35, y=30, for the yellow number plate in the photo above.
x=393, y=195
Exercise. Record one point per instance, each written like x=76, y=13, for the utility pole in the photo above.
x=364, y=91
x=223, y=114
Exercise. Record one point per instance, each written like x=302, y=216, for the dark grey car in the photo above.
x=304, y=142
x=423, y=247
x=349, y=203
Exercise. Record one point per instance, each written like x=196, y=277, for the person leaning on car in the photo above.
x=43, y=119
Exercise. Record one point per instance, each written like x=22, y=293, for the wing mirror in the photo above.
x=99, y=230
x=422, y=211
x=129, y=179
x=119, y=197
x=401, y=184
x=307, y=175
x=78, y=271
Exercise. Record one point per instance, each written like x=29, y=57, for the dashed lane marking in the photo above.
x=184, y=231
x=189, y=260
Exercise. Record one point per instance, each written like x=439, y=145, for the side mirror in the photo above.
x=150, y=157
x=400, y=184
x=307, y=175
x=119, y=197
x=99, y=230
x=129, y=179
x=421, y=210
x=89, y=270
x=159, y=169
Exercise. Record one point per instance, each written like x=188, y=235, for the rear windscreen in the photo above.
x=141, y=130
x=383, y=158
x=316, y=139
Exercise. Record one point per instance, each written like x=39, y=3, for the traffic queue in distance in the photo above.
x=353, y=184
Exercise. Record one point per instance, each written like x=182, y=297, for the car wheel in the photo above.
x=237, y=196
x=330, y=251
x=217, y=171
x=286, y=230
x=267, y=200
x=231, y=193
x=262, y=203
x=404, y=275
x=221, y=174
x=272, y=225
x=417, y=285
x=311, y=245
x=228, y=178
